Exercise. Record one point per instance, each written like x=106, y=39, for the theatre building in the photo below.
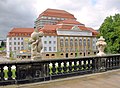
x=64, y=36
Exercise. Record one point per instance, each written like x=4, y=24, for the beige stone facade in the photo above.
x=72, y=46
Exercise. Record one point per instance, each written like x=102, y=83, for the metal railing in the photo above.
x=43, y=70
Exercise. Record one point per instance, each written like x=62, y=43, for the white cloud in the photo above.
x=19, y=13
x=90, y=12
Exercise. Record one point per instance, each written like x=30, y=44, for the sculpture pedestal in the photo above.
x=101, y=64
x=101, y=54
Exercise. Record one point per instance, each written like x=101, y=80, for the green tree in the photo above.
x=2, y=44
x=110, y=30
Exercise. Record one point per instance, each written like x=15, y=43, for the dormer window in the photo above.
x=49, y=17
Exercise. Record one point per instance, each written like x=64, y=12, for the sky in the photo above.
x=23, y=13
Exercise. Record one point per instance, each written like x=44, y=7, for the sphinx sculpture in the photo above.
x=36, y=44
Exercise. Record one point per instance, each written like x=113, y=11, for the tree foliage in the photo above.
x=2, y=44
x=110, y=30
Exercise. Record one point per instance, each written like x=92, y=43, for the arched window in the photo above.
x=71, y=42
x=66, y=42
x=88, y=43
x=84, y=42
x=80, y=42
x=61, y=42
x=76, y=44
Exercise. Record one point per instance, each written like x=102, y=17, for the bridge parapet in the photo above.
x=43, y=70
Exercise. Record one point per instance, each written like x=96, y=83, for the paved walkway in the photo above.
x=109, y=79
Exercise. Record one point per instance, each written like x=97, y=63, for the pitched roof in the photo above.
x=49, y=29
x=70, y=21
x=53, y=28
x=20, y=32
x=94, y=32
x=65, y=27
x=57, y=13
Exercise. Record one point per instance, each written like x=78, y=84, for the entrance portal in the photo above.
x=84, y=53
x=66, y=55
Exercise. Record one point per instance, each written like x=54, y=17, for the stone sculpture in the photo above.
x=101, y=44
x=36, y=44
x=101, y=63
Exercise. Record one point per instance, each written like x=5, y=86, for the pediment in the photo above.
x=76, y=28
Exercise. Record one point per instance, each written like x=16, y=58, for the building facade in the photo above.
x=72, y=40
x=52, y=17
x=65, y=38
x=16, y=40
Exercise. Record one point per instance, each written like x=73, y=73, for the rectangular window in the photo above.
x=49, y=42
x=18, y=43
x=54, y=18
x=45, y=42
x=50, y=49
x=14, y=38
x=21, y=38
x=62, y=18
x=49, y=17
x=18, y=48
x=14, y=43
x=45, y=48
x=14, y=48
x=21, y=47
x=58, y=18
x=54, y=42
x=18, y=38
x=10, y=48
x=10, y=38
x=28, y=34
x=21, y=43
x=54, y=48
x=10, y=43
